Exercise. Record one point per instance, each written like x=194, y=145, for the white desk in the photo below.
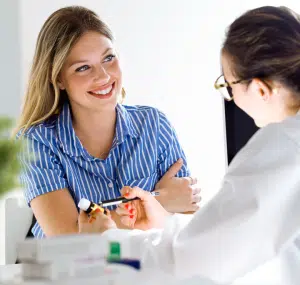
x=148, y=277
x=7, y=272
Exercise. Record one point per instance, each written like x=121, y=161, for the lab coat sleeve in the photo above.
x=248, y=222
x=255, y=213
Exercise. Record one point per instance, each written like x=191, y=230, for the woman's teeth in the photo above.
x=102, y=92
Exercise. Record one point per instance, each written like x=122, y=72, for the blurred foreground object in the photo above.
x=9, y=164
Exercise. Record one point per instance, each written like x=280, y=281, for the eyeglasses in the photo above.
x=225, y=88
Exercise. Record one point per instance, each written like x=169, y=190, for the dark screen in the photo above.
x=239, y=129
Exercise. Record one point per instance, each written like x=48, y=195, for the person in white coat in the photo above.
x=256, y=214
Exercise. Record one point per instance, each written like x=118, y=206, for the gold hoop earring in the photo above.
x=123, y=94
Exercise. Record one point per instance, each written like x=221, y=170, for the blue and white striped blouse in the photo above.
x=144, y=147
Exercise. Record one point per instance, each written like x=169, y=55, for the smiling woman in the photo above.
x=92, y=69
x=85, y=144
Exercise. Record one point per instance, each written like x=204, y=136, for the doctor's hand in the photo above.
x=96, y=222
x=143, y=214
x=178, y=194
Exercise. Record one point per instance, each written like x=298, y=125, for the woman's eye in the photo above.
x=109, y=58
x=82, y=68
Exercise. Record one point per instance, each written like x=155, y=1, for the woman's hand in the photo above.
x=96, y=222
x=142, y=214
x=178, y=195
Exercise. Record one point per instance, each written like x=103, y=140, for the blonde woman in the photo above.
x=85, y=143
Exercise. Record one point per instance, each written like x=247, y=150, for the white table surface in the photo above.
x=147, y=277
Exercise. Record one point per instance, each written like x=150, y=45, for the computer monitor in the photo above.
x=239, y=129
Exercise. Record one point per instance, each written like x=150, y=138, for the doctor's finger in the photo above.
x=123, y=211
x=140, y=193
x=126, y=206
x=128, y=220
x=125, y=190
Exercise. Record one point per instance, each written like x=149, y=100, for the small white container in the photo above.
x=62, y=247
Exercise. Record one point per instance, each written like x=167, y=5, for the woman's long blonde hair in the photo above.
x=57, y=36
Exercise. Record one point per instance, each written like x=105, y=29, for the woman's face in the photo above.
x=91, y=74
x=253, y=98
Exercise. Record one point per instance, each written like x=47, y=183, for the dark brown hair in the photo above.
x=265, y=43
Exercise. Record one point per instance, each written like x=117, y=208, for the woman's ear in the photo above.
x=263, y=89
x=60, y=84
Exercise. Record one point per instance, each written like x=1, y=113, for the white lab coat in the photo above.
x=254, y=217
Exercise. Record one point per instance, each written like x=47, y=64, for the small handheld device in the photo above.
x=89, y=206
x=121, y=200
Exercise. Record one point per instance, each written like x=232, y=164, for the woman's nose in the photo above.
x=102, y=75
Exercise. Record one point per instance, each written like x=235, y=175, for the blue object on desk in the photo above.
x=135, y=263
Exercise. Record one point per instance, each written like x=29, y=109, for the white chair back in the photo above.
x=18, y=218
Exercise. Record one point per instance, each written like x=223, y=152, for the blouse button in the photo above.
x=110, y=185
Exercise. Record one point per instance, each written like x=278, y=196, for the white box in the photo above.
x=90, y=281
x=110, y=275
x=57, y=270
x=62, y=248
x=88, y=267
x=47, y=271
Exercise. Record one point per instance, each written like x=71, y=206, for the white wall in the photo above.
x=10, y=54
x=10, y=76
x=170, y=54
